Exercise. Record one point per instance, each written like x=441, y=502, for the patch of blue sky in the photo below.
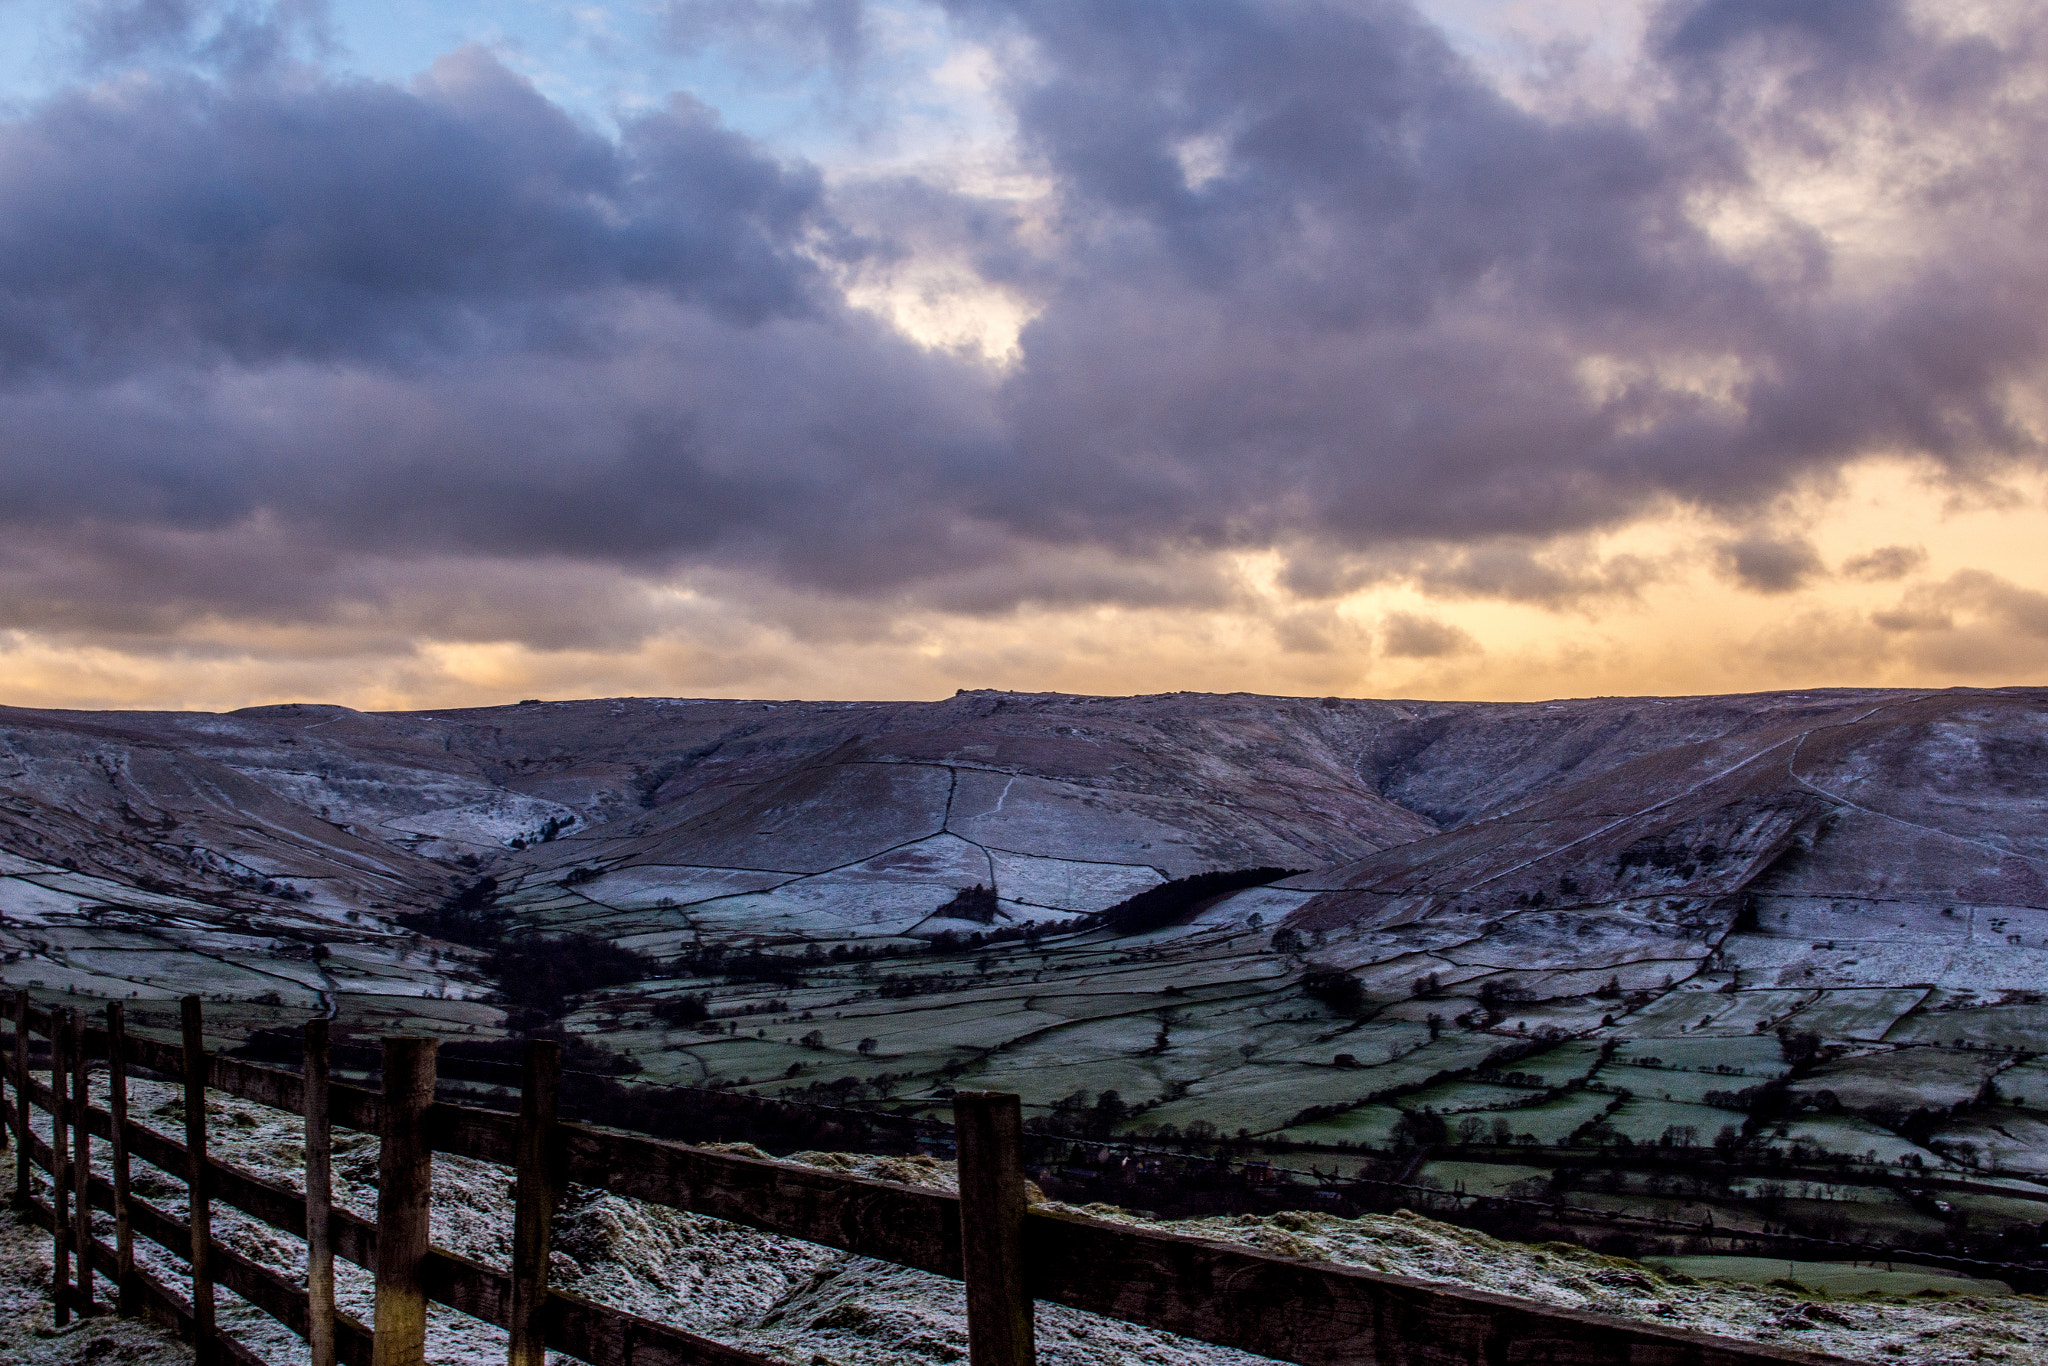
x=603, y=61
x=35, y=51
x=1547, y=52
x=903, y=96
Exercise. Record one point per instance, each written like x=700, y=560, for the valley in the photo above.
x=1629, y=968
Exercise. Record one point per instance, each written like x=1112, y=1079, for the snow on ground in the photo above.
x=801, y=1303
x=486, y=825
x=29, y=1338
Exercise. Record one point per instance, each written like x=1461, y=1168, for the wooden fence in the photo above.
x=1008, y=1254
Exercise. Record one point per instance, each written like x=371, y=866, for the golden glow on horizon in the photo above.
x=1968, y=613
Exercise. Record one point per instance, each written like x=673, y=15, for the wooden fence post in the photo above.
x=21, y=1153
x=127, y=1291
x=988, y=1126
x=405, y=1187
x=319, y=1200
x=10, y=1123
x=198, y=1181
x=81, y=1161
x=60, y=1169
x=539, y=1191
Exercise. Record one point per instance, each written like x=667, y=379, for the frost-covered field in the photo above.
x=807, y=1304
x=1798, y=931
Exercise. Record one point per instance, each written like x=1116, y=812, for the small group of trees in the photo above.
x=468, y=915
x=1493, y=994
x=687, y=1009
x=538, y=975
x=1498, y=1131
x=742, y=965
x=1336, y=989
x=976, y=903
x=1798, y=1046
x=1415, y=1129
x=894, y=988
x=952, y=941
x=1175, y=900
x=549, y=829
x=1531, y=1079
x=1080, y=1115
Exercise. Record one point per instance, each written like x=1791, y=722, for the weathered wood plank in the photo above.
x=354, y=1238
x=278, y=1089
x=405, y=1181
x=198, y=1180
x=920, y=1228
x=607, y=1337
x=319, y=1199
x=156, y=1055
x=269, y=1290
x=258, y=1284
x=908, y=1225
x=539, y=1167
x=1318, y=1314
x=127, y=1290
x=990, y=1129
x=81, y=1160
x=162, y=1304
x=21, y=1085
x=482, y=1134
x=352, y=1107
x=59, y=1166
x=573, y=1326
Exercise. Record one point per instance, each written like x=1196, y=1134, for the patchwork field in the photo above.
x=1680, y=957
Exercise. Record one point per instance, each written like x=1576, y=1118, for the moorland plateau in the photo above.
x=1778, y=962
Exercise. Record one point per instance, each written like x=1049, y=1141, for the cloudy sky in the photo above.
x=410, y=354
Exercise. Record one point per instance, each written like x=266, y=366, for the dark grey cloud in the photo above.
x=1986, y=598
x=1885, y=563
x=1404, y=635
x=129, y=588
x=1365, y=319
x=1770, y=564
x=1853, y=31
x=1558, y=576
x=449, y=320
x=1973, y=624
x=744, y=443
x=1308, y=281
x=190, y=221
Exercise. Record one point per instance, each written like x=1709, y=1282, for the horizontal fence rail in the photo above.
x=1307, y=1312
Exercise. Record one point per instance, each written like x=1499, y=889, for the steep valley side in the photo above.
x=1568, y=950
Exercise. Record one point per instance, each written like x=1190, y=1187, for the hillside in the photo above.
x=1783, y=931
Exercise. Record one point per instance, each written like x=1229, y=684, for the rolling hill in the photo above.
x=1803, y=926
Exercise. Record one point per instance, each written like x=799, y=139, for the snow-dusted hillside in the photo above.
x=1813, y=926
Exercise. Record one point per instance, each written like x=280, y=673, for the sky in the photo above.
x=451, y=353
